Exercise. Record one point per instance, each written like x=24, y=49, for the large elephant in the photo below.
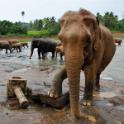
x=88, y=46
x=43, y=46
x=4, y=44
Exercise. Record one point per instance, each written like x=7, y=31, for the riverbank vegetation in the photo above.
x=49, y=26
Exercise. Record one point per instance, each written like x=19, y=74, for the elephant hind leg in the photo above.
x=97, y=82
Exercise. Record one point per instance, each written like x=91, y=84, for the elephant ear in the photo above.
x=92, y=24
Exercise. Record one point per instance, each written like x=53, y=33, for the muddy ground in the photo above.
x=108, y=105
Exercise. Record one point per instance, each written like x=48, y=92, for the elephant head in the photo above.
x=79, y=34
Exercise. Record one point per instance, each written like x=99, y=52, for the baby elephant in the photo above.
x=5, y=45
x=17, y=46
x=118, y=41
x=59, y=49
x=24, y=44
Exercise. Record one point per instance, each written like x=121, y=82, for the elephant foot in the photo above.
x=54, y=93
x=87, y=102
x=83, y=116
x=89, y=117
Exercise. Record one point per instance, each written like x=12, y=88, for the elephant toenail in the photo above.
x=84, y=103
x=51, y=94
x=48, y=92
x=88, y=103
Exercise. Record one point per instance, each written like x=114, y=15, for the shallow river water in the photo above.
x=108, y=104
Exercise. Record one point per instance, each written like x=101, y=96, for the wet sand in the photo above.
x=108, y=105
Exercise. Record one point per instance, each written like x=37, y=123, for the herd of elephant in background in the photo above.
x=43, y=45
x=12, y=45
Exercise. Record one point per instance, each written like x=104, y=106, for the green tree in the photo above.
x=5, y=27
x=18, y=28
x=38, y=24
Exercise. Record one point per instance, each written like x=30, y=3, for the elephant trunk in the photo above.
x=73, y=66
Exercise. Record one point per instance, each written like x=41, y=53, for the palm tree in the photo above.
x=23, y=13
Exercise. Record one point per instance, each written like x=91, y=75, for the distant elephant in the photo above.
x=4, y=44
x=59, y=49
x=13, y=41
x=43, y=46
x=87, y=46
x=17, y=46
x=118, y=41
x=24, y=44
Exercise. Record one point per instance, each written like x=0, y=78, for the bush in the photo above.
x=42, y=33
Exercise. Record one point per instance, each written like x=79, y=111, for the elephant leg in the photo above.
x=56, y=88
x=43, y=55
x=97, y=85
x=61, y=54
x=56, y=54
x=90, y=77
x=32, y=50
x=10, y=50
x=19, y=49
x=38, y=51
x=6, y=51
x=53, y=55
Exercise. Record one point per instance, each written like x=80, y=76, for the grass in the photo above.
x=42, y=33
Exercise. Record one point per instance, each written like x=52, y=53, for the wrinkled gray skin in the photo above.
x=5, y=45
x=43, y=46
x=88, y=46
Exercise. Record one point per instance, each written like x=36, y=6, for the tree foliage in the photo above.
x=47, y=27
x=50, y=26
x=7, y=27
x=111, y=21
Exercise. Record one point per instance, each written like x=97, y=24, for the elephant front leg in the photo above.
x=53, y=54
x=90, y=77
x=43, y=55
x=32, y=50
x=97, y=85
x=38, y=50
x=56, y=88
x=6, y=51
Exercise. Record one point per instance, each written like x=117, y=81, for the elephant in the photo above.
x=17, y=46
x=24, y=44
x=59, y=49
x=43, y=46
x=118, y=41
x=13, y=41
x=88, y=46
x=4, y=44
